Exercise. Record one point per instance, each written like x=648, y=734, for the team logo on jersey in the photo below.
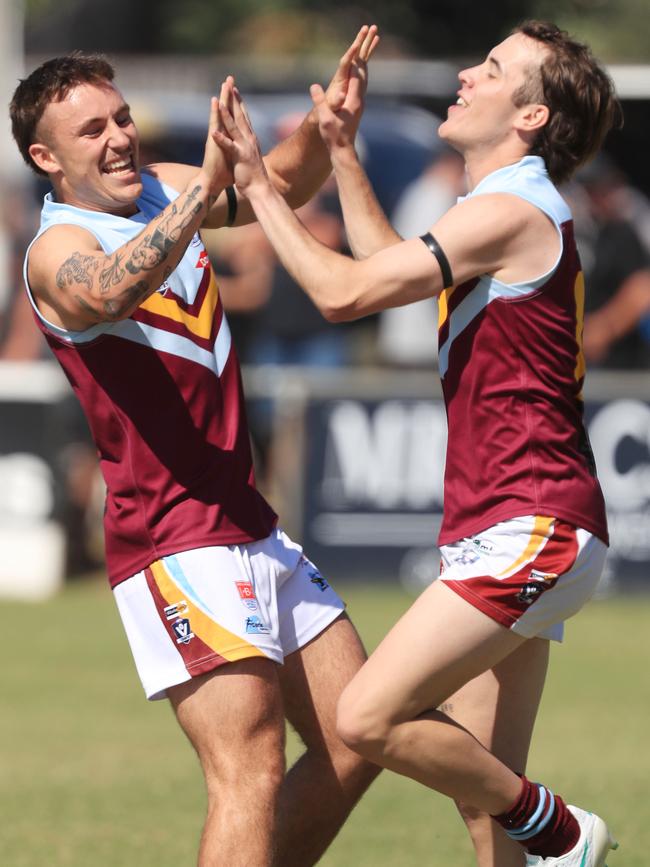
x=247, y=594
x=203, y=261
x=316, y=578
x=175, y=610
x=182, y=631
x=530, y=592
x=254, y=626
x=536, y=575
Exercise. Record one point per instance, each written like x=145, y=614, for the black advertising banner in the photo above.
x=372, y=499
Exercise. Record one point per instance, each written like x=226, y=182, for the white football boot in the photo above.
x=591, y=849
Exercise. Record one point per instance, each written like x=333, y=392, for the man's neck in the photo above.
x=479, y=165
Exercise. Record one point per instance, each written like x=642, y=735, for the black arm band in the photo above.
x=436, y=249
x=231, y=195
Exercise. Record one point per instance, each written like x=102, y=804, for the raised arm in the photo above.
x=366, y=225
x=299, y=165
x=76, y=284
x=502, y=230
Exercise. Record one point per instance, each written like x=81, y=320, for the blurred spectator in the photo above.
x=408, y=335
x=616, y=264
x=20, y=339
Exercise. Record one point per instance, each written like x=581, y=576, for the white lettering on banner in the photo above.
x=620, y=437
x=27, y=488
x=628, y=489
x=392, y=457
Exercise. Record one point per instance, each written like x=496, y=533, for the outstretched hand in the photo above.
x=236, y=138
x=340, y=107
x=216, y=165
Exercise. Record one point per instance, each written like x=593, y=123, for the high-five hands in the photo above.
x=236, y=138
x=339, y=110
x=351, y=64
x=338, y=119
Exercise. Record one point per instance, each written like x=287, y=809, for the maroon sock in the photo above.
x=550, y=831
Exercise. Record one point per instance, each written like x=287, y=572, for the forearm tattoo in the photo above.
x=155, y=247
x=149, y=252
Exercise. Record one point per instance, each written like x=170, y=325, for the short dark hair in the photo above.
x=51, y=82
x=580, y=97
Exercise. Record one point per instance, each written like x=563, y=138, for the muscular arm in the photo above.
x=404, y=272
x=298, y=165
x=77, y=285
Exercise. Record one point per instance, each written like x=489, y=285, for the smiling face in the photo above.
x=88, y=145
x=485, y=114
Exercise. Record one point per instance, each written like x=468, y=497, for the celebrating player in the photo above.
x=213, y=596
x=450, y=696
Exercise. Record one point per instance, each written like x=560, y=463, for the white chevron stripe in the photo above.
x=486, y=290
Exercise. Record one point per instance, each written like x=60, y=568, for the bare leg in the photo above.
x=326, y=782
x=233, y=717
x=387, y=712
x=499, y=707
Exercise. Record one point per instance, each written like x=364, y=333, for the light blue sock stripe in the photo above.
x=524, y=829
x=535, y=825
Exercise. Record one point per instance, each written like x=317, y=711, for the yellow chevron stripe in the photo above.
x=443, y=305
x=540, y=534
x=232, y=647
x=579, y=294
x=200, y=325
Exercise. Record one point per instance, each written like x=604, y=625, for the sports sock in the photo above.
x=540, y=821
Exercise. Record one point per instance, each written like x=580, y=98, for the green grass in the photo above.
x=92, y=774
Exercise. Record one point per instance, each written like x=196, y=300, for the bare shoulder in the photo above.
x=175, y=175
x=495, y=214
x=484, y=234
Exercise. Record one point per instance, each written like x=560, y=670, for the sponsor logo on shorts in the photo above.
x=316, y=578
x=175, y=610
x=255, y=626
x=535, y=575
x=483, y=546
x=182, y=630
x=467, y=556
x=247, y=594
x=530, y=592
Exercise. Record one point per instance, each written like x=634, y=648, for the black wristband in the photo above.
x=231, y=195
x=436, y=249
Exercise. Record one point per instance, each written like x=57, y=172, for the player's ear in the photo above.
x=43, y=157
x=533, y=117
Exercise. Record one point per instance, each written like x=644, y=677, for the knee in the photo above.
x=361, y=725
x=230, y=771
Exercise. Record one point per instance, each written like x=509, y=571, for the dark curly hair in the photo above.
x=580, y=97
x=51, y=82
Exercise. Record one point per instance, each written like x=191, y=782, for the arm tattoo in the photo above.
x=154, y=248
x=111, y=275
x=88, y=308
x=77, y=269
x=114, y=308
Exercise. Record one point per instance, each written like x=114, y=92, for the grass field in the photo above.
x=91, y=775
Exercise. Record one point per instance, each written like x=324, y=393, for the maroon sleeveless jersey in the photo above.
x=162, y=394
x=512, y=373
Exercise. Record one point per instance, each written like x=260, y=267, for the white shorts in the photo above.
x=530, y=574
x=191, y=612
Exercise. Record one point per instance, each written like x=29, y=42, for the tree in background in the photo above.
x=419, y=27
